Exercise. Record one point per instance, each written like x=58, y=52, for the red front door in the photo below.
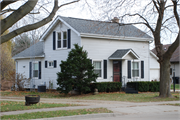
x=117, y=71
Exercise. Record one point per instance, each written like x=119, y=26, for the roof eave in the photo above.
x=42, y=56
x=154, y=55
x=115, y=37
x=49, y=29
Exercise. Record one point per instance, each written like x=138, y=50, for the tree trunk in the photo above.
x=165, y=78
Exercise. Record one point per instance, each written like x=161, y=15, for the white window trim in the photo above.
x=33, y=70
x=101, y=67
x=138, y=61
x=50, y=66
x=61, y=40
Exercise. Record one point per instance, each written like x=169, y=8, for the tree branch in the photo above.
x=17, y=15
x=175, y=12
x=7, y=10
x=5, y=3
x=146, y=22
x=167, y=20
x=174, y=46
x=156, y=6
x=30, y=27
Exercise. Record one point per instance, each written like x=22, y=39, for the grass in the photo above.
x=23, y=93
x=177, y=86
x=141, y=97
x=118, y=96
x=14, y=106
x=49, y=114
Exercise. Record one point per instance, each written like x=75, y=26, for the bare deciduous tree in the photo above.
x=21, y=12
x=160, y=17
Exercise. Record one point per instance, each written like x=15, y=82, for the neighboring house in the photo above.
x=154, y=67
x=117, y=52
x=174, y=69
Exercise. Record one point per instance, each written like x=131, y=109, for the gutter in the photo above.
x=112, y=37
x=28, y=57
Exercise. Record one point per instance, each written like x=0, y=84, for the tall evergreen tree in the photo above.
x=77, y=72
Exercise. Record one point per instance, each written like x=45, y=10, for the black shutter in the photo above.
x=90, y=60
x=55, y=63
x=45, y=64
x=30, y=69
x=54, y=40
x=142, y=69
x=105, y=69
x=129, y=69
x=69, y=38
x=39, y=70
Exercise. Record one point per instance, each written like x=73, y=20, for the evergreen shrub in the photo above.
x=144, y=86
x=106, y=86
x=77, y=72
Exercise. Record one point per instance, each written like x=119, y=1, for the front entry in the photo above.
x=117, y=71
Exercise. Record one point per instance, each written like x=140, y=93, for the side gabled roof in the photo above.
x=175, y=56
x=83, y=26
x=35, y=50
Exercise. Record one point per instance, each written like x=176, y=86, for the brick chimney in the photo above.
x=115, y=20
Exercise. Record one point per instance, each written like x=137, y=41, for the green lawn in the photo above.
x=141, y=97
x=118, y=96
x=49, y=114
x=177, y=86
x=14, y=106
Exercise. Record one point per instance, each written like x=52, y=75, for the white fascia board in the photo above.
x=57, y=19
x=28, y=57
x=48, y=29
x=154, y=55
x=132, y=53
x=68, y=26
x=115, y=37
x=115, y=58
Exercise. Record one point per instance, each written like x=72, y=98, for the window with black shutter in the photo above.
x=45, y=64
x=129, y=69
x=55, y=63
x=39, y=70
x=69, y=38
x=105, y=69
x=142, y=69
x=30, y=69
x=54, y=40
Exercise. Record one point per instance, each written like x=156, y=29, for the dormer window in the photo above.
x=61, y=40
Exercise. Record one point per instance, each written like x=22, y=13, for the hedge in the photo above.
x=145, y=86
x=106, y=86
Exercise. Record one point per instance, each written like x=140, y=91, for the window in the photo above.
x=135, y=69
x=50, y=64
x=62, y=40
x=35, y=69
x=59, y=41
x=97, y=68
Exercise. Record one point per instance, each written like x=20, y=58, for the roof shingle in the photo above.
x=34, y=50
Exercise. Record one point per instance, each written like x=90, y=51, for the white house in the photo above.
x=119, y=52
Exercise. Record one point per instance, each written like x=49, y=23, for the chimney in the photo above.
x=115, y=20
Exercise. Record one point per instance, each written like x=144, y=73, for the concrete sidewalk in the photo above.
x=118, y=108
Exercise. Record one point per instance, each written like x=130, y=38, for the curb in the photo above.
x=77, y=117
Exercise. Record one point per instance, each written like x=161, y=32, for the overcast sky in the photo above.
x=79, y=10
